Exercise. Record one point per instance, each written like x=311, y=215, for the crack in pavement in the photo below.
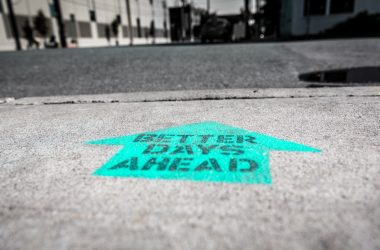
x=198, y=95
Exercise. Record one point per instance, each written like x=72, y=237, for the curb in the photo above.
x=199, y=95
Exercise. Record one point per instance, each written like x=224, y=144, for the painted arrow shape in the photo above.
x=207, y=151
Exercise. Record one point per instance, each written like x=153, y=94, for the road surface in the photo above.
x=161, y=68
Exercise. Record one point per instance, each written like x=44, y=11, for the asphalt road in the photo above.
x=160, y=68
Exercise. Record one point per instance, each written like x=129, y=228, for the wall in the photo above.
x=299, y=23
x=88, y=33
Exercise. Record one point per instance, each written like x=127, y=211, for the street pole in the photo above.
x=258, y=20
x=247, y=15
x=120, y=26
x=130, y=31
x=153, y=24
x=208, y=6
x=164, y=6
x=12, y=20
x=61, y=26
x=183, y=20
x=189, y=21
x=138, y=19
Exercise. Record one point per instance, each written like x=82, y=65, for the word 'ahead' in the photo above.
x=207, y=151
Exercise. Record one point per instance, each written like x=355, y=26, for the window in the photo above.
x=92, y=16
x=85, y=29
x=125, y=31
x=1, y=7
x=52, y=9
x=314, y=7
x=342, y=6
x=70, y=28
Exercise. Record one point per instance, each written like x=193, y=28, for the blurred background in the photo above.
x=27, y=24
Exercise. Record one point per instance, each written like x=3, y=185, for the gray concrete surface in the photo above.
x=330, y=200
x=161, y=68
x=192, y=95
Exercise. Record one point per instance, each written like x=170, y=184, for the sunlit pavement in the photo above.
x=50, y=198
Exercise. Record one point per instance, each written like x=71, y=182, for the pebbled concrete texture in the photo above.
x=328, y=200
x=162, y=68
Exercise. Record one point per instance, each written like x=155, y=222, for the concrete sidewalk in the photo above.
x=49, y=198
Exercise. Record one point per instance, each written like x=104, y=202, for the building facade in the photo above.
x=310, y=17
x=87, y=23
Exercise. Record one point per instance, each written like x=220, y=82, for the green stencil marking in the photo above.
x=207, y=151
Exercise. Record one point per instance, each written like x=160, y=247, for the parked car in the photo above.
x=216, y=29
